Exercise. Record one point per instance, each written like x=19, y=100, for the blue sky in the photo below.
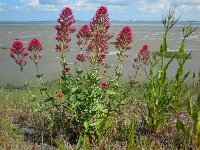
x=46, y=10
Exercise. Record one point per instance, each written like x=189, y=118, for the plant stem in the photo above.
x=26, y=83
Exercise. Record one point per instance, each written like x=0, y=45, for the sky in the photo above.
x=124, y=10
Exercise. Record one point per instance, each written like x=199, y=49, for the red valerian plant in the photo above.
x=18, y=53
x=144, y=55
x=94, y=37
x=142, y=59
x=34, y=47
x=104, y=84
x=124, y=39
x=66, y=69
x=59, y=95
x=99, y=27
x=66, y=20
x=101, y=57
x=83, y=93
x=83, y=35
x=123, y=43
x=80, y=57
x=64, y=29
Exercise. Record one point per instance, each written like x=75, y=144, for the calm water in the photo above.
x=144, y=32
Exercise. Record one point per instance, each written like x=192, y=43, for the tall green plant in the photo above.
x=162, y=94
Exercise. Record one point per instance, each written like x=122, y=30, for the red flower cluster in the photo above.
x=104, y=84
x=83, y=35
x=64, y=29
x=100, y=21
x=101, y=57
x=99, y=27
x=80, y=57
x=144, y=55
x=59, y=95
x=18, y=52
x=124, y=38
x=34, y=47
x=17, y=47
x=143, y=58
x=66, y=69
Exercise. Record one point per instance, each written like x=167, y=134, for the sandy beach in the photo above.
x=49, y=64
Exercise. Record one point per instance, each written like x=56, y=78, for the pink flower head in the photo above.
x=58, y=48
x=99, y=27
x=104, y=84
x=102, y=10
x=100, y=20
x=101, y=57
x=18, y=52
x=124, y=38
x=17, y=47
x=66, y=20
x=66, y=69
x=59, y=95
x=66, y=16
x=144, y=55
x=21, y=62
x=80, y=57
x=145, y=47
x=64, y=29
x=35, y=45
x=84, y=32
x=83, y=35
x=59, y=38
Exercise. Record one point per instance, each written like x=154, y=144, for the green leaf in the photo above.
x=190, y=108
x=131, y=137
x=79, y=71
x=86, y=125
x=163, y=47
x=98, y=107
x=198, y=123
x=79, y=144
x=96, y=123
x=85, y=143
x=182, y=49
x=185, y=76
x=33, y=98
x=194, y=116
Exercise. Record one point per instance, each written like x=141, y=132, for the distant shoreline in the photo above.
x=114, y=22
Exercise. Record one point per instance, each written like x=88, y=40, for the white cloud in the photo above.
x=187, y=5
x=34, y=3
x=153, y=7
x=46, y=7
x=87, y=5
x=56, y=2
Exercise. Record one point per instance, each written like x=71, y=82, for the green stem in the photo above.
x=40, y=79
x=26, y=83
